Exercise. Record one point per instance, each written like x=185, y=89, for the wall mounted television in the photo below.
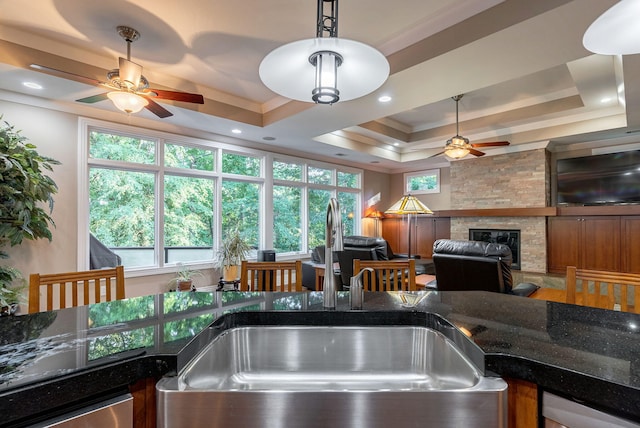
x=609, y=179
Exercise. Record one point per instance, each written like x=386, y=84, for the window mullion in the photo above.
x=267, y=203
x=159, y=207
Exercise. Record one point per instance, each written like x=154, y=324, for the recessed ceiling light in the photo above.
x=396, y=144
x=268, y=138
x=236, y=131
x=375, y=161
x=340, y=154
x=384, y=99
x=32, y=85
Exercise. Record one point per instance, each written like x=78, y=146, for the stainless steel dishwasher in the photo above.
x=116, y=412
x=559, y=412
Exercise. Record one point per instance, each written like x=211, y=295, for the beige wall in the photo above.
x=55, y=135
x=435, y=201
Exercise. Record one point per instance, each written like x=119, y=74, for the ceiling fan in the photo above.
x=129, y=89
x=458, y=147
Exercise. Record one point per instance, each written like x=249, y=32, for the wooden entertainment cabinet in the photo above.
x=427, y=229
x=600, y=238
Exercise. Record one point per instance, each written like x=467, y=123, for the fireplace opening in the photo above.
x=510, y=238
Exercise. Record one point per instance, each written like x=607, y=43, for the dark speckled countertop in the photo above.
x=589, y=354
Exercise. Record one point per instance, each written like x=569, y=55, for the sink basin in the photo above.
x=305, y=358
x=319, y=376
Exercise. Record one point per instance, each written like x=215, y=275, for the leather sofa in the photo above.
x=475, y=265
x=356, y=247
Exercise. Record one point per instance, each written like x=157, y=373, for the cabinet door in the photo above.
x=425, y=231
x=442, y=228
x=392, y=228
x=429, y=230
x=425, y=236
x=600, y=243
x=630, y=245
x=563, y=237
x=523, y=404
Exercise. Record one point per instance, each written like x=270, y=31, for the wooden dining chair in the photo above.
x=602, y=289
x=387, y=275
x=92, y=286
x=271, y=276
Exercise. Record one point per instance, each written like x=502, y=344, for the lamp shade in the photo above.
x=287, y=70
x=375, y=214
x=127, y=102
x=457, y=147
x=408, y=205
x=616, y=31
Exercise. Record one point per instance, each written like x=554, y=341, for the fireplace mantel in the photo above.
x=500, y=212
x=542, y=211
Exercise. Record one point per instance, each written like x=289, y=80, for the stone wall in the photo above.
x=515, y=180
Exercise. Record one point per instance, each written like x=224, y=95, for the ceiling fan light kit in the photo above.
x=458, y=147
x=325, y=69
x=129, y=89
x=127, y=102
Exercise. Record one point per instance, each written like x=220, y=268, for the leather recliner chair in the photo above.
x=475, y=265
x=356, y=247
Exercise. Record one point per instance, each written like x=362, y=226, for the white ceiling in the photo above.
x=525, y=76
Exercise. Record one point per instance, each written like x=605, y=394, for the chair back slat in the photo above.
x=271, y=276
x=603, y=289
x=387, y=275
x=56, y=287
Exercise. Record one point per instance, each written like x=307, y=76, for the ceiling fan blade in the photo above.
x=157, y=109
x=67, y=75
x=437, y=154
x=129, y=72
x=476, y=152
x=93, y=99
x=491, y=144
x=176, y=96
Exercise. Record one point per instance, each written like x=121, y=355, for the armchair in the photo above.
x=474, y=265
x=357, y=247
x=368, y=248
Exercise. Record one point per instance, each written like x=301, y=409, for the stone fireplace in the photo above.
x=500, y=184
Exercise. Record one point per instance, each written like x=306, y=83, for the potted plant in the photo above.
x=24, y=188
x=232, y=252
x=184, y=279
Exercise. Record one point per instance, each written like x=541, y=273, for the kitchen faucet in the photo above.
x=333, y=242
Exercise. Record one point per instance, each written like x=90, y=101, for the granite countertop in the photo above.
x=65, y=357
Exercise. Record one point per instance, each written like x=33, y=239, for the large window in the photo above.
x=157, y=199
x=320, y=183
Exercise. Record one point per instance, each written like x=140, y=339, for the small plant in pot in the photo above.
x=232, y=252
x=185, y=278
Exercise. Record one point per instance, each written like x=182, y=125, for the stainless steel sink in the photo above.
x=320, y=376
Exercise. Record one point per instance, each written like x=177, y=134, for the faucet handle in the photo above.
x=356, y=293
x=358, y=276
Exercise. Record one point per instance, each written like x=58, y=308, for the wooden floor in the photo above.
x=550, y=294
